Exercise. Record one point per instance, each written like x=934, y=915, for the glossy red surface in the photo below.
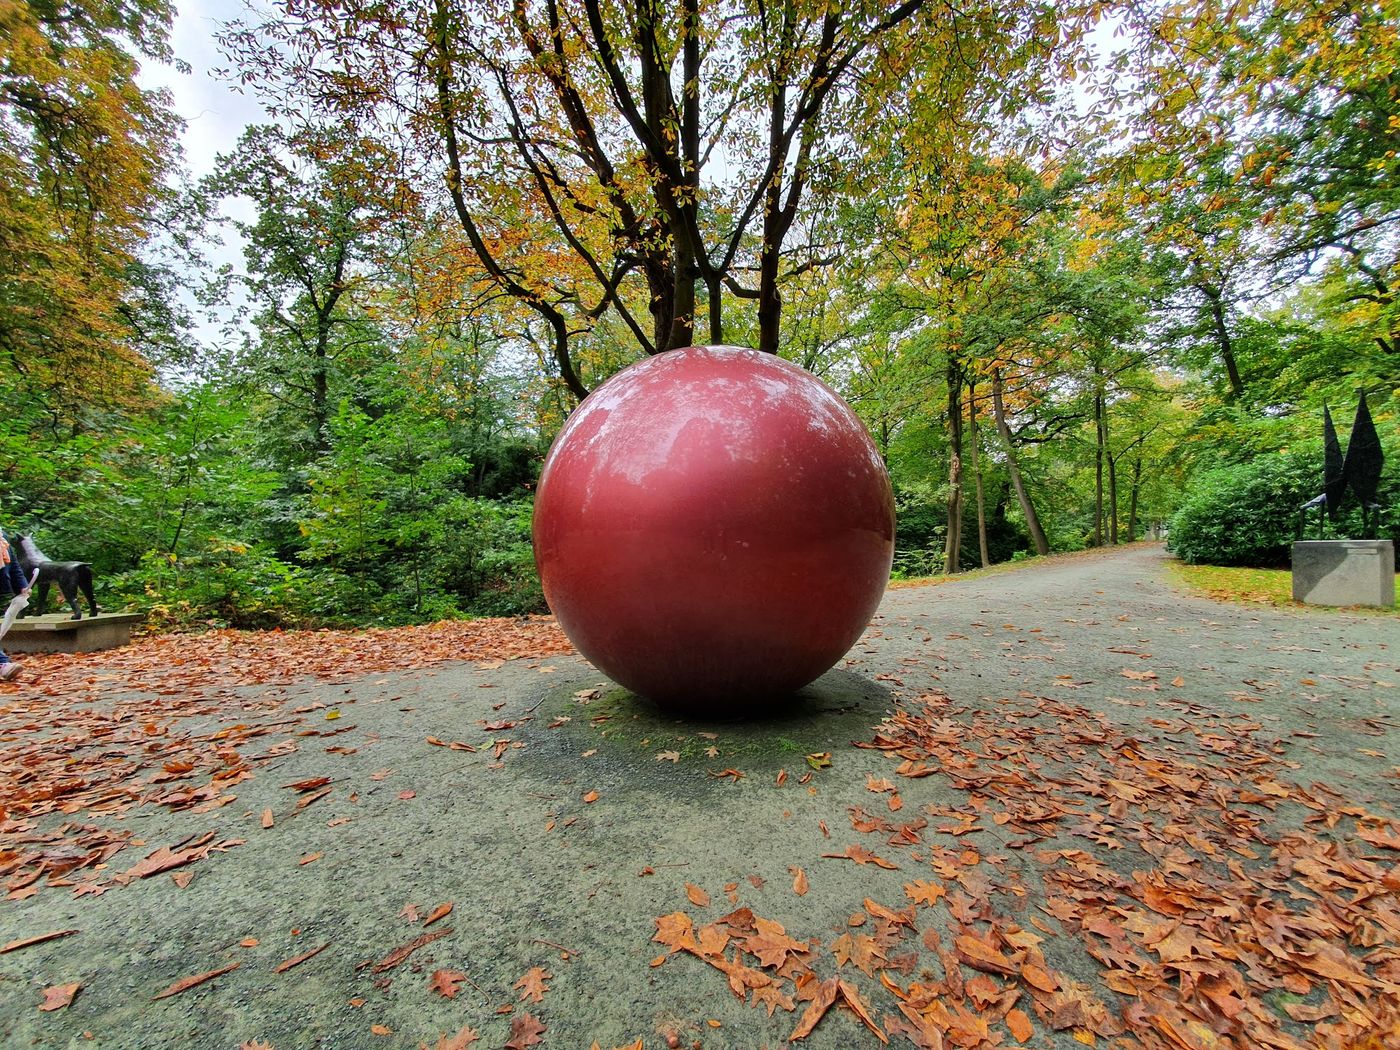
x=714, y=528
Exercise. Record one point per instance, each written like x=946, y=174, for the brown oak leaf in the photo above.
x=461, y=1041
x=525, y=1032
x=532, y=986
x=446, y=982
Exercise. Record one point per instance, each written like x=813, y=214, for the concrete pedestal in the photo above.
x=1344, y=572
x=57, y=633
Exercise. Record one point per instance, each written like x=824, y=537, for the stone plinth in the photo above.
x=58, y=633
x=1344, y=572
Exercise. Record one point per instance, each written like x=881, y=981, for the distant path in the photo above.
x=1069, y=627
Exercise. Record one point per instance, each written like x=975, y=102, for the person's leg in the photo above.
x=8, y=668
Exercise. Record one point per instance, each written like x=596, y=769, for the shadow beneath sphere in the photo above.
x=767, y=734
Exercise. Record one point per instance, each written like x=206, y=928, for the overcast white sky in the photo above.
x=214, y=114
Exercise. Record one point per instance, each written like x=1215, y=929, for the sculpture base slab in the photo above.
x=1344, y=572
x=58, y=633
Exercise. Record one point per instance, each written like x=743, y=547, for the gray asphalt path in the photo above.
x=541, y=872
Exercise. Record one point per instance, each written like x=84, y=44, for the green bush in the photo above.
x=487, y=560
x=921, y=531
x=1246, y=514
x=226, y=584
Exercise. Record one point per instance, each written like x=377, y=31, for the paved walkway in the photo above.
x=569, y=817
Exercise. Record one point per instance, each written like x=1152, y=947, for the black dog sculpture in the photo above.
x=71, y=576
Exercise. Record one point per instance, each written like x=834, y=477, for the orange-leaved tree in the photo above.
x=83, y=154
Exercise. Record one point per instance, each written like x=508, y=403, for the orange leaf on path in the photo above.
x=532, y=986
x=980, y=955
x=59, y=996
x=825, y=995
x=799, y=881
x=381, y=1029
x=184, y=984
x=852, y=998
x=440, y=912
x=310, y=784
x=314, y=796
x=403, y=951
x=675, y=931
x=922, y=891
x=266, y=818
x=452, y=745
x=297, y=960
x=1020, y=1025
x=446, y=982
x=1380, y=837
x=698, y=897
x=25, y=942
x=525, y=1032
x=461, y=1041
x=592, y=796
x=861, y=855
x=860, y=949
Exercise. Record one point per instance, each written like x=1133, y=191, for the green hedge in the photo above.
x=1246, y=514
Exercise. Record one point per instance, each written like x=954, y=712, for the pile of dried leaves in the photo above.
x=88, y=736
x=172, y=663
x=1216, y=904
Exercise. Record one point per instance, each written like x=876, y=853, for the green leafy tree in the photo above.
x=310, y=254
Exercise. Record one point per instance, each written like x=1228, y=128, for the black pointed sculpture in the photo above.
x=1358, y=472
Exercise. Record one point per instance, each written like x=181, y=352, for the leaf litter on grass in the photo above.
x=1222, y=905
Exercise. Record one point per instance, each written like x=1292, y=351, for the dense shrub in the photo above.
x=921, y=531
x=476, y=561
x=227, y=584
x=490, y=560
x=1247, y=513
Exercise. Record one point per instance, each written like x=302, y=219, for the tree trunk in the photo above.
x=716, y=305
x=1042, y=545
x=682, y=332
x=1133, y=500
x=1112, y=501
x=1098, y=469
x=770, y=300
x=1112, y=481
x=952, y=550
x=975, y=454
x=320, y=390
x=1222, y=336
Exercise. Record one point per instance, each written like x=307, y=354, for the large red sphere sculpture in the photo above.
x=714, y=528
